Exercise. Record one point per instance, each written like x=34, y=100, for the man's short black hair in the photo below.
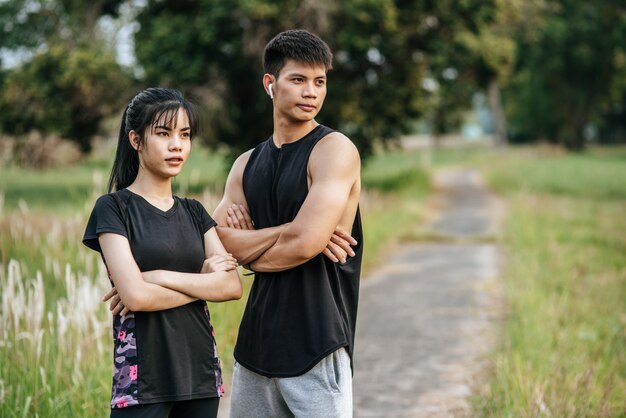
x=298, y=45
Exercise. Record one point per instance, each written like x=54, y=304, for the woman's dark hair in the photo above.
x=149, y=108
x=299, y=45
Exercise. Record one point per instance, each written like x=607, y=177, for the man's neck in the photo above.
x=285, y=133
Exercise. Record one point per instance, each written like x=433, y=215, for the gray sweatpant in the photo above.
x=325, y=391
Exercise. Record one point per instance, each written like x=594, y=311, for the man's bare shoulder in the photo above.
x=334, y=155
x=336, y=142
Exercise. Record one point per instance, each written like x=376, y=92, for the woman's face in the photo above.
x=166, y=146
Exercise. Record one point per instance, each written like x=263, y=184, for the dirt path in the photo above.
x=426, y=319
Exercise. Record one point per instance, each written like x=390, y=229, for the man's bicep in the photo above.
x=322, y=209
x=334, y=167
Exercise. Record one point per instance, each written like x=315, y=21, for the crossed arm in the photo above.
x=160, y=289
x=334, y=168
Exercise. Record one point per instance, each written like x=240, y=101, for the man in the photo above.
x=301, y=187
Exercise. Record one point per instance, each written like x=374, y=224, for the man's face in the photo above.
x=299, y=91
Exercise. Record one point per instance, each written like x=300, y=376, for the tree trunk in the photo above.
x=499, y=120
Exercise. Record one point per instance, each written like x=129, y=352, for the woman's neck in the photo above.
x=150, y=187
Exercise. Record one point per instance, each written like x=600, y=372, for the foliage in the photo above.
x=68, y=79
x=214, y=49
x=64, y=90
x=563, y=349
x=566, y=69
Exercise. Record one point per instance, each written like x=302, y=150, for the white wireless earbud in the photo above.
x=269, y=87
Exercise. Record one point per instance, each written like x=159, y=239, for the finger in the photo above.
x=246, y=216
x=225, y=256
x=238, y=209
x=226, y=265
x=338, y=252
x=114, y=301
x=119, y=307
x=234, y=218
x=344, y=235
x=124, y=311
x=229, y=221
x=109, y=294
x=343, y=244
x=330, y=255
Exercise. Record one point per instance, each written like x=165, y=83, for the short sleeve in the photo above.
x=106, y=216
x=202, y=216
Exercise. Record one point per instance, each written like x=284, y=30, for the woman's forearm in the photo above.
x=213, y=287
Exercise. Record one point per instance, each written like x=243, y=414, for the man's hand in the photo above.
x=239, y=217
x=219, y=262
x=116, y=305
x=340, y=246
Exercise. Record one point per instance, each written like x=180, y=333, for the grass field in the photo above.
x=563, y=336
x=563, y=347
x=55, y=343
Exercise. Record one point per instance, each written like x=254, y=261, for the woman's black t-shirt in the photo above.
x=167, y=355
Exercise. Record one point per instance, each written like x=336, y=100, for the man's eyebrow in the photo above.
x=303, y=76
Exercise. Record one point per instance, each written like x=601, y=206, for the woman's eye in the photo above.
x=162, y=133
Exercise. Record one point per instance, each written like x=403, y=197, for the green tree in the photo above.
x=63, y=91
x=382, y=52
x=68, y=80
x=567, y=70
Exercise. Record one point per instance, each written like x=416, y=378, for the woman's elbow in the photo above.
x=233, y=290
x=134, y=302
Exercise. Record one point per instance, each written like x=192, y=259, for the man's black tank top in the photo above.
x=296, y=317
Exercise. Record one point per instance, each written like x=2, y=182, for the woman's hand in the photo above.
x=219, y=262
x=116, y=306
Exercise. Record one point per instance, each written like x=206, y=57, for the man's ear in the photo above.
x=134, y=139
x=268, y=79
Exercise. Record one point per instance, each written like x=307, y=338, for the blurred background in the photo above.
x=530, y=92
x=541, y=70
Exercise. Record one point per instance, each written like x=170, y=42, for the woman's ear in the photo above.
x=135, y=140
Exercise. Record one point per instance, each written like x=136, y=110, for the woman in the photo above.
x=165, y=260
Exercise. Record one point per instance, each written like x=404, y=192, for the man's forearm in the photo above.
x=248, y=245
x=290, y=250
x=277, y=259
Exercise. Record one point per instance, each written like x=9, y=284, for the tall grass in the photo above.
x=563, y=350
x=55, y=334
x=52, y=360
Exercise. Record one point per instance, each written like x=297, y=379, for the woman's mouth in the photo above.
x=174, y=160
